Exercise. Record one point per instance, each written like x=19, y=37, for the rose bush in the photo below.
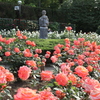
x=76, y=69
x=76, y=74
x=19, y=50
x=5, y=78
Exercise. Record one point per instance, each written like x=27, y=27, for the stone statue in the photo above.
x=43, y=24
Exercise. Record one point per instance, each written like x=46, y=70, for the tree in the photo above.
x=81, y=13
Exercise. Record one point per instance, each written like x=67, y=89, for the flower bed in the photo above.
x=75, y=76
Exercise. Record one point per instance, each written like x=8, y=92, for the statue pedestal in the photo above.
x=43, y=32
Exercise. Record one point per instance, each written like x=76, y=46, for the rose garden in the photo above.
x=76, y=63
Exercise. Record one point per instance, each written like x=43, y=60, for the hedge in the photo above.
x=47, y=44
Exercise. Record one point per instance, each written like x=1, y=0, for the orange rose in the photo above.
x=24, y=37
x=46, y=75
x=33, y=44
x=31, y=63
x=28, y=42
x=81, y=71
x=24, y=72
x=72, y=78
x=26, y=94
x=90, y=68
x=47, y=95
x=60, y=94
x=27, y=54
x=61, y=79
x=9, y=77
x=67, y=40
x=7, y=53
x=16, y=49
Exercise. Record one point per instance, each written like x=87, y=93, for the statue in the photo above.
x=43, y=24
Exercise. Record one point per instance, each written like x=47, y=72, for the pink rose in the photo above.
x=95, y=94
x=54, y=59
x=90, y=84
x=24, y=72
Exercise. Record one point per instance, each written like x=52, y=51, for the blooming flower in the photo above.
x=71, y=52
x=31, y=63
x=54, y=59
x=60, y=94
x=16, y=49
x=81, y=71
x=47, y=95
x=24, y=72
x=72, y=78
x=47, y=55
x=28, y=42
x=2, y=78
x=61, y=79
x=81, y=39
x=90, y=84
x=46, y=75
x=95, y=94
x=76, y=42
x=27, y=54
x=48, y=52
x=65, y=68
x=90, y=68
x=9, y=76
x=5, y=75
x=67, y=40
x=38, y=51
x=68, y=28
x=24, y=37
x=18, y=33
x=7, y=53
x=26, y=94
x=35, y=55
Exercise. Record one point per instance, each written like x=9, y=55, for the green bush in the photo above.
x=98, y=30
x=54, y=26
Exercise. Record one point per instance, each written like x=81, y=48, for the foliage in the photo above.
x=84, y=14
x=98, y=30
x=31, y=26
x=54, y=26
